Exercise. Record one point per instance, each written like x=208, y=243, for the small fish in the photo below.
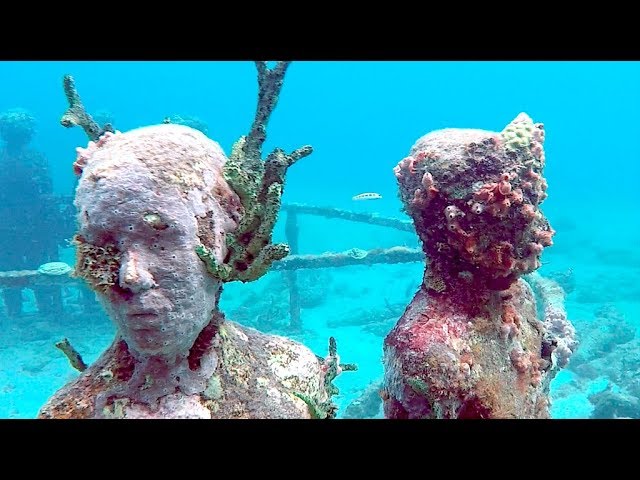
x=367, y=196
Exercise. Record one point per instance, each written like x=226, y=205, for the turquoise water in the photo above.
x=362, y=118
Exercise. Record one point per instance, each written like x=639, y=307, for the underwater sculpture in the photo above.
x=165, y=218
x=470, y=344
x=33, y=223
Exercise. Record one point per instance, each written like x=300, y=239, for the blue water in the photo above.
x=361, y=118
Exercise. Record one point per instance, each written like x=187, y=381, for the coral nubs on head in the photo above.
x=475, y=196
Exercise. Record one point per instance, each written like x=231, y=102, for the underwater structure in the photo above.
x=471, y=343
x=33, y=223
x=165, y=219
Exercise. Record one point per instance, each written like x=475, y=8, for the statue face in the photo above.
x=144, y=200
x=159, y=293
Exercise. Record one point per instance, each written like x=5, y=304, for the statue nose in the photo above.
x=134, y=275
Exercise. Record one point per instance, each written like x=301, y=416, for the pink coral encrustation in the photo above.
x=471, y=344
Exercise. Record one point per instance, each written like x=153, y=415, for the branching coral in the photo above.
x=259, y=185
x=76, y=115
x=75, y=359
x=331, y=368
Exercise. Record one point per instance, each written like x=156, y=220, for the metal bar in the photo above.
x=292, y=235
x=370, y=218
x=28, y=278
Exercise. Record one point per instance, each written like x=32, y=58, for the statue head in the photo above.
x=146, y=200
x=17, y=127
x=475, y=196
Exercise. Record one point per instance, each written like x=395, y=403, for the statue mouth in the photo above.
x=142, y=320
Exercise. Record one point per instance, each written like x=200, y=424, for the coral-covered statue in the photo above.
x=470, y=344
x=147, y=199
x=163, y=216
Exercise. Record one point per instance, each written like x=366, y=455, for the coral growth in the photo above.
x=330, y=368
x=147, y=200
x=475, y=198
x=259, y=186
x=153, y=203
x=76, y=115
x=470, y=343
